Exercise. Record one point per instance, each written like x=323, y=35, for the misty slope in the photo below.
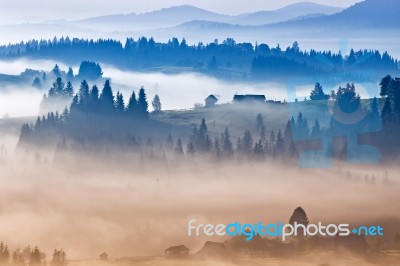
x=303, y=9
x=367, y=14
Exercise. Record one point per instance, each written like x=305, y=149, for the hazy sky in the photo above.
x=15, y=11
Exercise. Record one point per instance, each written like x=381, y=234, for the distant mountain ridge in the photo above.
x=366, y=14
x=176, y=15
x=361, y=19
x=290, y=12
x=160, y=18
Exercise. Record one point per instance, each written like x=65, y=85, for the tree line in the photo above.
x=31, y=257
x=92, y=115
x=246, y=60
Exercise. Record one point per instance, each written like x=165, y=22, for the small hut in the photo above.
x=210, y=101
x=177, y=251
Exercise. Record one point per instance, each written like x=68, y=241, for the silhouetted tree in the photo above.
x=90, y=70
x=84, y=92
x=318, y=93
x=35, y=257
x=69, y=90
x=142, y=105
x=4, y=254
x=70, y=74
x=119, y=103
x=18, y=258
x=156, y=104
x=132, y=104
x=59, y=258
x=384, y=84
x=56, y=71
x=37, y=83
x=107, y=98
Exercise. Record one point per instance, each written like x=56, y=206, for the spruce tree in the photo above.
x=156, y=104
x=142, y=105
x=69, y=90
x=70, y=74
x=107, y=98
x=132, y=104
x=318, y=93
x=119, y=103
x=84, y=92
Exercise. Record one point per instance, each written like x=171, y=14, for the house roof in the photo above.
x=178, y=248
x=212, y=97
x=246, y=97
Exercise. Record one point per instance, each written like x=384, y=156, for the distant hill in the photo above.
x=290, y=12
x=176, y=15
x=366, y=15
x=165, y=17
x=367, y=19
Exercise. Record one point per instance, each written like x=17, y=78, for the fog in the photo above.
x=89, y=206
x=127, y=206
x=177, y=91
x=182, y=91
x=15, y=102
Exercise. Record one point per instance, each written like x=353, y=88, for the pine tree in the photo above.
x=59, y=258
x=4, y=254
x=57, y=88
x=247, y=142
x=318, y=93
x=94, y=97
x=119, y=103
x=384, y=84
x=142, y=105
x=18, y=258
x=70, y=74
x=259, y=149
x=132, y=104
x=35, y=257
x=56, y=71
x=84, y=92
x=37, y=83
x=107, y=98
x=69, y=90
x=156, y=104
